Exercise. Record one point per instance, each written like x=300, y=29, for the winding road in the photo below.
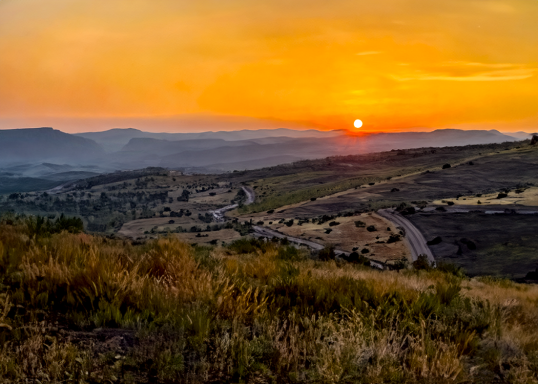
x=218, y=214
x=414, y=239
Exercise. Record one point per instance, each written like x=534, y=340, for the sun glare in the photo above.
x=357, y=123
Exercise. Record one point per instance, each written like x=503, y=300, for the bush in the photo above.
x=371, y=228
x=246, y=245
x=394, y=238
x=502, y=195
x=290, y=253
x=435, y=241
x=446, y=166
x=333, y=223
x=327, y=253
x=356, y=258
x=450, y=269
x=360, y=224
x=470, y=244
x=422, y=263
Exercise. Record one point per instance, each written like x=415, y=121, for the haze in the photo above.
x=396, y=65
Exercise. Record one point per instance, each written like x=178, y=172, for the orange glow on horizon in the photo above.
x=396, y=65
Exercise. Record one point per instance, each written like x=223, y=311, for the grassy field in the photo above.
x=343, y=233
x=504, y=244
x=86, y=309
x=301, y=181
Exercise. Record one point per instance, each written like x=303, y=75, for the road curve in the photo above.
x=251, y=196
x=414, y=239
x=218, y=214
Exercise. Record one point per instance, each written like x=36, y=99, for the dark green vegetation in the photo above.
x=305, y=180
x=106, y=202
x=84, y=309
x=483, y=244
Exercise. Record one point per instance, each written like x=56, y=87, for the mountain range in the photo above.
x=35, y=158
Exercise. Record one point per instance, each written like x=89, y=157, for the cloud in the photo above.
x=471, y=71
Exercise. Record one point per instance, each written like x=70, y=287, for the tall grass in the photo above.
x=86, y=309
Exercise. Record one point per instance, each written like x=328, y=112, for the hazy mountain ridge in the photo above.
x=115, y=139
x=45, y=156
x=45, y=144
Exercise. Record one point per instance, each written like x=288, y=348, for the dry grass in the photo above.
x=84, y=309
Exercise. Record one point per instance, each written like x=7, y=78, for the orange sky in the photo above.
x=396, y=64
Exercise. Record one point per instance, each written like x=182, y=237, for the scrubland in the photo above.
x=87, y=309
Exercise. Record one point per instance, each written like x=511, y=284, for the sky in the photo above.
x=183, y=65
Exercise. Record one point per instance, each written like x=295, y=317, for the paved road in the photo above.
x=218, y=214
x=270, y=233
x=415, y=241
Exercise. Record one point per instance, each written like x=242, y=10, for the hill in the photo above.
x=45, y=145
x=96, y=309
x=115, y=139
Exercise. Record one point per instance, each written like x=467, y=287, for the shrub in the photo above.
x=356, y=258
x=360, y=224
x=422, y=263
x=446, y=166
x=371, y=228
x=469, y=243
x=333, y=223
x=327, y=253
x=394, y=238
x=502, y=195
x=435, y=241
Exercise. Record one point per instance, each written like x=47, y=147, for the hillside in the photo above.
x=45, y=145
x=99, y=310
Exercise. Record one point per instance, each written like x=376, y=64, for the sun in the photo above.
x=357, y=123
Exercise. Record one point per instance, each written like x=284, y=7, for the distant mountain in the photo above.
x=165, y=147
x=45, y=144
x=437, y=138
x=520, y=135
x=115, y=139
x=41, y=157
x=312, y=148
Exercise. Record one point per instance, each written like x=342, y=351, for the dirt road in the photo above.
x=415, y=241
